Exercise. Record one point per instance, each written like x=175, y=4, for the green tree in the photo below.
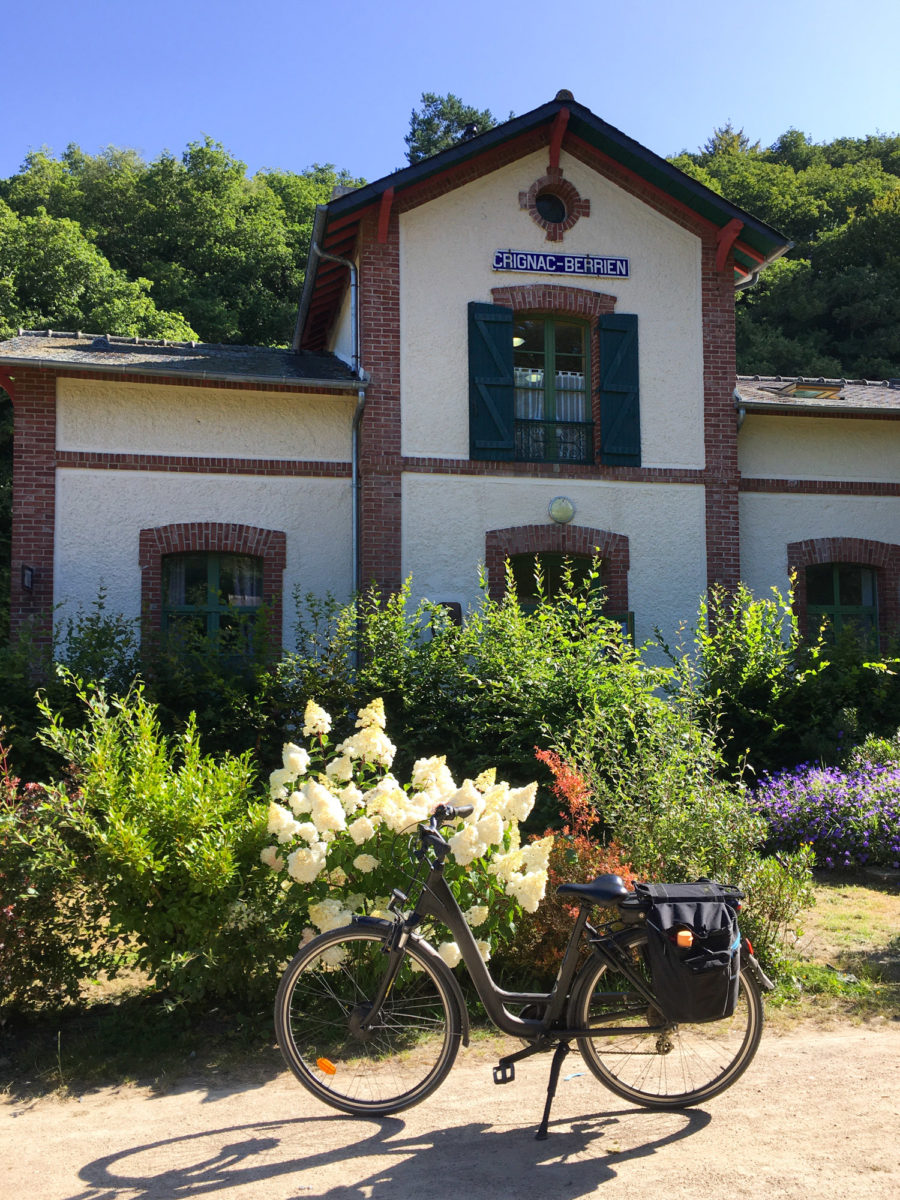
x=52, y=276
x=439, y=122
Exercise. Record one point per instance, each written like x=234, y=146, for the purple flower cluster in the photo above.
x=850, y=818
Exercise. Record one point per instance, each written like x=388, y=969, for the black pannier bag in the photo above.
x=698, y=982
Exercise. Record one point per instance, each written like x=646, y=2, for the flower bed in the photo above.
x=850, y=818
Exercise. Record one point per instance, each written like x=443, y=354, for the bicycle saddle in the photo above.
x=605, y=889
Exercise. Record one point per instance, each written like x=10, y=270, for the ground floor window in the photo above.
x=842, y=596
x=543, y=573
x=210, y=593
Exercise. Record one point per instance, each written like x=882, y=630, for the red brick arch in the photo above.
x=214, y=537
x=612, y=549
x=883, y=557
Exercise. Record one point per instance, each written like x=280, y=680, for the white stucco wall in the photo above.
x=770, y=522
x=446, y=252
x=99, y=515
x=145, y=418
x=665, y=525
x=784, y=447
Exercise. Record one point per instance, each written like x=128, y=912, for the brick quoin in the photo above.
x=211, y=537
x=33, y=395
x=882, y=557
x=379, y=456
x=612, y=548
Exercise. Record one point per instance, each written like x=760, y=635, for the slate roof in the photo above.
x=202, y=360
x=759, y=393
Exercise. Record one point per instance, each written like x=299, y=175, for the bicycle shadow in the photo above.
x=482, y=1160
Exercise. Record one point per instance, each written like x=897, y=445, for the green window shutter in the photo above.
x=620, y=416
x=491, y=423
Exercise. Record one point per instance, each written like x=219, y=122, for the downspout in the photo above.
x=316, y=249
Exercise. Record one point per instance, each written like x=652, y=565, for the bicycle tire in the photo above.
x=683, y=1066
x=396, y=1064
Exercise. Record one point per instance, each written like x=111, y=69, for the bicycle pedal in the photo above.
x=504, y=1073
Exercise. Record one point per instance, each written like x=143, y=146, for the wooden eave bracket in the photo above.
x=384, y=213
x=557, y=133
x=725, y=239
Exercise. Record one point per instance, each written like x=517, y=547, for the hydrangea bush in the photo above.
x=850, y=818
x=341, y=824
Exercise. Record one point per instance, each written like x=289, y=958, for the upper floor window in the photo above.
x=844, y=596
x=212, y=593
x=530, y=396
x=552, y=401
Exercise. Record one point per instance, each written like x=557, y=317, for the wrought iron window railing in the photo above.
x=554, y=441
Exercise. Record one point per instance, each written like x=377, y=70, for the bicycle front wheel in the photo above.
x=322, y=1003
x=675, y=1067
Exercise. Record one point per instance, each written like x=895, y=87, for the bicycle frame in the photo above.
x=438, y=901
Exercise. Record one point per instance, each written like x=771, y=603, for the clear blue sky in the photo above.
x=285, y=83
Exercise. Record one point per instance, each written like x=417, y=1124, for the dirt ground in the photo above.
x=816, y=1114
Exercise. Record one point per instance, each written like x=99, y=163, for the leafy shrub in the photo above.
x=169, y=839
x=849, y=818
x=877, y=750
x=47, y=916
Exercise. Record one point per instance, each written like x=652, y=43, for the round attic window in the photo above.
x=551, y=207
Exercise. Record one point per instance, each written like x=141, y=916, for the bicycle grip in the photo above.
x=450, y=812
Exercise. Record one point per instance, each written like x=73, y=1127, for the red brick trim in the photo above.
x=884, y=557
x=821, y=487
x=612, y=548
x=379, y=458
x=554, y=183
x=93, y=460
x=467, y=466
x=154, y=544
x=33, y=395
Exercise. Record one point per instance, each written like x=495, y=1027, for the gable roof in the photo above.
x=562, y=122
x=104, y=354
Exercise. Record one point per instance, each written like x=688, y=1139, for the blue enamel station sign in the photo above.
x=560, y=264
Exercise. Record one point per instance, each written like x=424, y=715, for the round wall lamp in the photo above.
x=561, y=510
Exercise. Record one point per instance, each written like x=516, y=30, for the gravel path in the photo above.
x=816, y=1115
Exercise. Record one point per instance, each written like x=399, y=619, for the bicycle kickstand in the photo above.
x=558, y=1055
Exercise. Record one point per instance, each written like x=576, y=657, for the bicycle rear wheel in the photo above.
x=684, y=1064
x=322, y=1000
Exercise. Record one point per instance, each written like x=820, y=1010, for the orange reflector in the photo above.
x=326, y=1066
x=684, y=938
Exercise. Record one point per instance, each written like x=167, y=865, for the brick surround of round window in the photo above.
x=553, y=184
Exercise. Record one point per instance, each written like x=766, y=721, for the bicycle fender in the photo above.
x=427, y=951
x=751, y=962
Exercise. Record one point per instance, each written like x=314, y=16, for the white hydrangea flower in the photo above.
x=281, y=823
x=337, y=877
x=299, y=803
x=484, y=949
x=490, y=829
x=350, y=797
x=361, y=830
x=495, y=798
x=372, y=714
x=278, y=779
x=486, y=779
x=327, y=811
x=308, y=862
x=308, y=831
x=520, y=802
x=433, y=775
x=329, y=914
x=334, y=956
x=316, y=721
x=365, y=863
x=476, y=915
x=340, y=769
x=295, y=759
x=528, y=889
x=270, y=856
x=371, y=744
x=450, y=953
x=536, y=855
x=307, y=937
x=467, y=845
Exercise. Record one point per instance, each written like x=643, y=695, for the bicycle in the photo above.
x=369, y=1017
